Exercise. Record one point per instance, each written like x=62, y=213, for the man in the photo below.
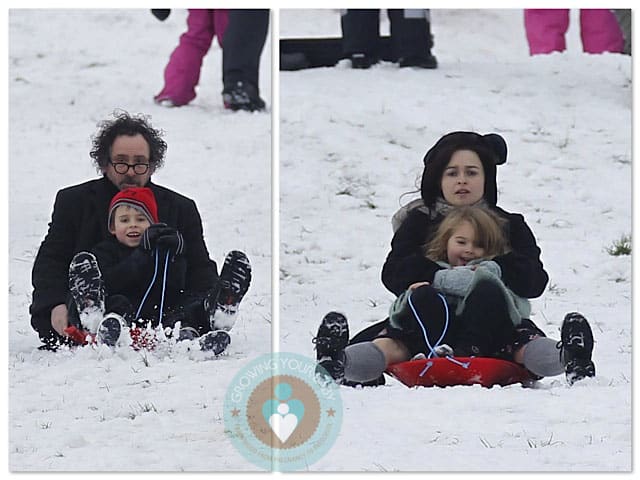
x=127, y=151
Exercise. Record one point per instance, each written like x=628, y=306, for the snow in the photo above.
x=350, y=144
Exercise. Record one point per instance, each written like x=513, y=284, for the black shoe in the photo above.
x=422, y=61
x=242, y=96
x=362, y=61
x=331, y=340
x=187, y=333
x=235, y=278
x=215, y=342
x=332, y=336
x=110, y=330
x=86, y=286
x=333, y=367
x=576, y=346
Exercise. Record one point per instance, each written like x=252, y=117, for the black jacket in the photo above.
x=79, y=222
x=522, y=269
x=129, y=271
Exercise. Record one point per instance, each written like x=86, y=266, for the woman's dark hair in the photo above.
x=126, y=124
x=491, y=149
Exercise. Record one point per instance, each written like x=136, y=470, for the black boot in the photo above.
x=235, y=278
x=331, y=340
x=242, y=96
x=576, y=346
x=87, y=288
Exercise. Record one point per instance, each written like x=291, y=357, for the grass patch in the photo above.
x=620, y=247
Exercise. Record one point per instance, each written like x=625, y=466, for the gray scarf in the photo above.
x=441, y=207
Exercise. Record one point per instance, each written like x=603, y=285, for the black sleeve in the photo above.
x=406, y=263
x=522, y=269
x=50, y=274
x=201, y=271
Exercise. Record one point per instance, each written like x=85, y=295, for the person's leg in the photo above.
x=243, y=41
x=546, y=29
x=411, y=37
x=360, y=31
x=366, y=361
x=220, y=20
x=572, y=354
x=182, y=73
x=600, y=31
x=421, y=318
x=486, y=328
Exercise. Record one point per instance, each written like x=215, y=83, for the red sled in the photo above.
x=451, y=371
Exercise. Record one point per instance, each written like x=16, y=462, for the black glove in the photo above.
x=171, y=242
x=161, y=13
x=153, y=233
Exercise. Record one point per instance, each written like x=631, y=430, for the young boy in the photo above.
x=139, y=275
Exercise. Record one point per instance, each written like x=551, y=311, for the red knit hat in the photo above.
x=140, y=198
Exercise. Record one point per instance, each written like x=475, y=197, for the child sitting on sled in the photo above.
x=466, y=311
x=139, y=277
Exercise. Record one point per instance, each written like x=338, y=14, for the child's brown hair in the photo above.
x=486, y=225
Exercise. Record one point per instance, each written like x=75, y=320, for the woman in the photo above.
x=459, y=170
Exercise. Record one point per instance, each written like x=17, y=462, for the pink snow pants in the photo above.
x=546, y=28
x=182, y=73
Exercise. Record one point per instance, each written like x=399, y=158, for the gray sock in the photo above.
x=363, y=362
x=542, y=357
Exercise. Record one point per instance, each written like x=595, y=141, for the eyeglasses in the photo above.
x=122, y=168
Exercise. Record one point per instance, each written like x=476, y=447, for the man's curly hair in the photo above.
x=125, y=124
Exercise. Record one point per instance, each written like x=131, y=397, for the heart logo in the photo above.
x=283, y=416
x=283, y=425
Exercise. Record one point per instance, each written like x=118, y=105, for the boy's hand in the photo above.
x=153, y=233
x=173, y=242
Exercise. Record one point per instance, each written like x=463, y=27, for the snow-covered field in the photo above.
x=350, y=144
x=92, y=409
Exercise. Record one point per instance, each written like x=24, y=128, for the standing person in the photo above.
x=182, y=73
x=460, y=170
x=244, y=40
x=546, y=29
x=126, y=151
x=138, y=278
x=410, y=32
x=242, y=34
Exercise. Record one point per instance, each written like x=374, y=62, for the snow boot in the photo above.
x=576, y=346
x=330, y=341
x=87, y=289
x=242, y=96
x=187, y=333
x=422, y=61
x=221, y=304
x=110, y=330
x=216, y=341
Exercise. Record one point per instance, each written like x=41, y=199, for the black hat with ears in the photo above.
x=491, y=148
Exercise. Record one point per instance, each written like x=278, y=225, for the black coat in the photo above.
x=79, y=222
x=129, y=271
x=522, y=269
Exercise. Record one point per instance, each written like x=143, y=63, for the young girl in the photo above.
x=464, y=245
x=459, y=170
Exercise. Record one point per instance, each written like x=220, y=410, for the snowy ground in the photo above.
x=91, y=409
x=351, y=142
